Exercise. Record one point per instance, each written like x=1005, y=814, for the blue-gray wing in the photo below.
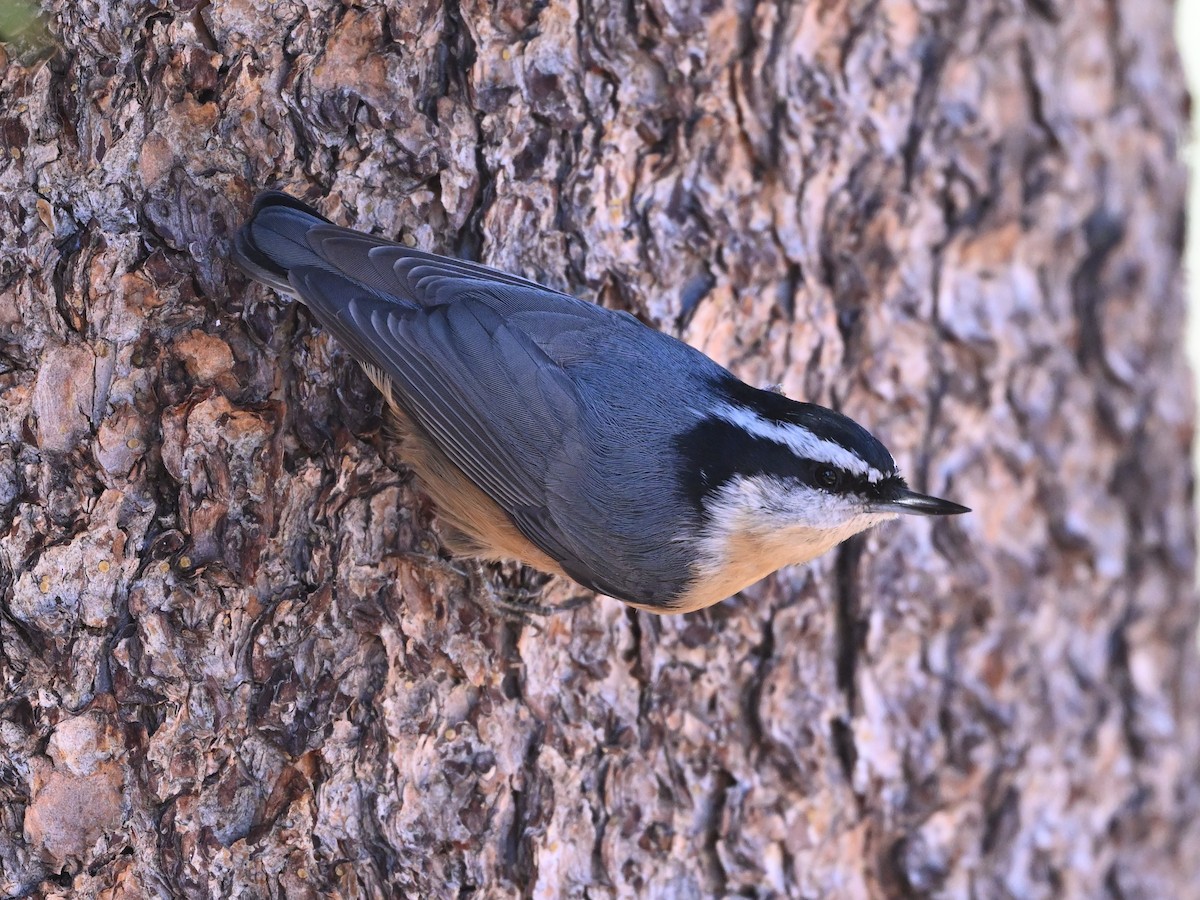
x=499, y=372
x=485, y=392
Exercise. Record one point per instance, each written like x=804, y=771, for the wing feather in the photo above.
x=547, y=403
x=428, y=353
x=391, y=269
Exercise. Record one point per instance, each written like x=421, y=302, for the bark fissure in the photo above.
x=226, y=668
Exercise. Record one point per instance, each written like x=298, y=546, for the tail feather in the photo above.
x=274, y=239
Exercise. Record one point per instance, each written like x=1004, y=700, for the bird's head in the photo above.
x=778, y=482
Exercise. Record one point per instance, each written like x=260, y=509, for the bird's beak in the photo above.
x=905, y=501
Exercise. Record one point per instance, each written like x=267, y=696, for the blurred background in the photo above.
x=1187, y=26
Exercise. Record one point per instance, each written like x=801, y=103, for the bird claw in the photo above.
x=517, y=604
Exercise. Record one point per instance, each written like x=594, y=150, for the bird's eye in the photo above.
x=828, y=477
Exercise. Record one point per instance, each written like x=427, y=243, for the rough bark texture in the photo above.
x=959, y=222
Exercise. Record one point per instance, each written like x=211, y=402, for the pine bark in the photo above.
x=225, y=668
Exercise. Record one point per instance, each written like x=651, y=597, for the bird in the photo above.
x=574, y=438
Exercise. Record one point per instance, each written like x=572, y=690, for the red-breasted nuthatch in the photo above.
x=574, y=438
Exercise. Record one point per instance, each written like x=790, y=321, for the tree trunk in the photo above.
x=227, y=669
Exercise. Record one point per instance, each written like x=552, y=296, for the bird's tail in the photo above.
x=274, y=239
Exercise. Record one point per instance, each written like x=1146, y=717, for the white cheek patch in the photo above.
x=778, y=503
x=799, y=440
x=788, y=523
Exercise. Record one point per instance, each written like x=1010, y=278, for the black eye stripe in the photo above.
x=831, y=478
x=815, y=474
x=828, y=477
x=716, y=451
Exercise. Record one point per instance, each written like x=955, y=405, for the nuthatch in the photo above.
x=574, y=438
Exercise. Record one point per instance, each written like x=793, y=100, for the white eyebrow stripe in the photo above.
x=798, y=439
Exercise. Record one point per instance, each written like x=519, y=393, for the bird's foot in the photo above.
x=512, y=602
x=517, y=604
